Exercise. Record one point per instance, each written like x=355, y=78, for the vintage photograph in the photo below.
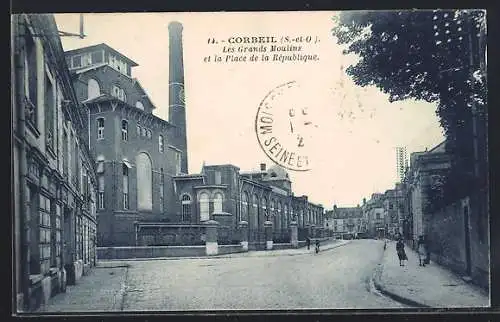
x=245, y=161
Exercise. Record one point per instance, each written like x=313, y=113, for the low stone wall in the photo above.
x=230, y=249
x=149, y=252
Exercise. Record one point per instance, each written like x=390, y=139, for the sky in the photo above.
x=352, y=149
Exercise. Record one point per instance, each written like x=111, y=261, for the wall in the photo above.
x=446, y=235
x=149, y=252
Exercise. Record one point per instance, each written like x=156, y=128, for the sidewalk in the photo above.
x=429, y=286
x=102, y=290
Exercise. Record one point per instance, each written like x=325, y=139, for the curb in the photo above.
x=206, y=257
x=377, y=282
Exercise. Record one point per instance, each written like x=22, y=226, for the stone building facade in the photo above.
x=54, y=183
x=374, y=215
x=346, y=221
x=137, y=153
x=393, y=203
x=457, y=234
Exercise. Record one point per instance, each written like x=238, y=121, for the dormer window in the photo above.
x=118, y=93
x=139, y=105
x=76, y=61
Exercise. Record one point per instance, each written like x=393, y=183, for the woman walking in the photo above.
x=422, y=252
x=400, y=249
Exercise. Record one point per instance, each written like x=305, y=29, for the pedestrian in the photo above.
x=317, y=246
x=421, y=249
x=308, y=243
x=400, y=249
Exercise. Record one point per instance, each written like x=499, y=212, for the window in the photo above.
x=138, y=130
x=50, y=135
x=218, y=202
x=285, y=215
x=101, y=192
x=160, y=143
x=144, y=182
x=218, y=177
x=139, y=105
x=178, y=162
x=264, y=208
x=76, y=61
x=244, y=207
x=100, y=128
x=162, y=180
x=143, y=131
x=65, y=153
x=390, y=206
x=204, y=207
x=186, y=208
x=254, y=218
x=31, y=86
x=45, y=240
x=119, y=93
x=86, y=59
x=97, y=57
x=377, y=216
x=125, y=186
x=124, y=130
x=93, y=89
x=148, y=132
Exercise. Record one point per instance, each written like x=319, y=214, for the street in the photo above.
x=336, y=278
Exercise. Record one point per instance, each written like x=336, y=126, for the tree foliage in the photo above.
x=436, y=56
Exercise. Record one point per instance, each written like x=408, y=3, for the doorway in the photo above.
x=467, y=240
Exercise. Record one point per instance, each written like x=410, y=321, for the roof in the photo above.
x=277, y=172
x=105, y=47
x=108, y=98
x=134, y=80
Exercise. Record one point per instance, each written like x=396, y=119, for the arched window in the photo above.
x=244, y=206
x=160, y=143
x=280, y=216
x=254, y=217
x=218, y=202
x=100, y=128
x=186, y=208
x=204, y=207
x=139, y=105
x=144, y=182
x=93, y=89
x=285, y=215
x=124, y=130
x=264, y=209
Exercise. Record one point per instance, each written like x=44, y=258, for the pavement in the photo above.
x=337, y=277
x=429, y=286
x=102, y=290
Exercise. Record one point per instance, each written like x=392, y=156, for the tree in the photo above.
x=434, y=56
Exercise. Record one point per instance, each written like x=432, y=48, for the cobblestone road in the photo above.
x=335, y=278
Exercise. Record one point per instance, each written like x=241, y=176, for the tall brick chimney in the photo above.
x=262, y=167
x=176, y=109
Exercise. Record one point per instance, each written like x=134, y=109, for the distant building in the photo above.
x=55, y=187
x=393, y=202
x=345, y=220
x=375, y=216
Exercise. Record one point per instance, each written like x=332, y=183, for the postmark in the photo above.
x=285, y=126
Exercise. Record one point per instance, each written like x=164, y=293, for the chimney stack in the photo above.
x=262, y=167
x=176, y=110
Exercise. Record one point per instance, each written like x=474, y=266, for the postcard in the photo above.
x=247, y=161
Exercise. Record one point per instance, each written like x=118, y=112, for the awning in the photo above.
x=127, y=163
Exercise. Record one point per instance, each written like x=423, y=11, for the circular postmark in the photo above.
x=285, y=126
